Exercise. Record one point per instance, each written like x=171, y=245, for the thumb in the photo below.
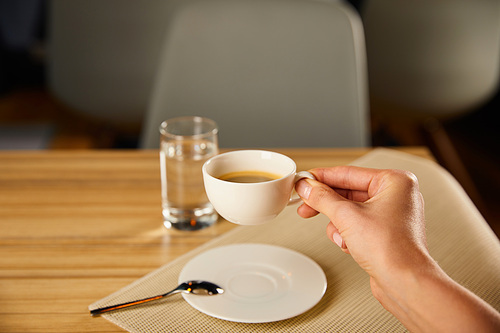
x=321, y=198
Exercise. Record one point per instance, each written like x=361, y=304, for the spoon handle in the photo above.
x=98, y=311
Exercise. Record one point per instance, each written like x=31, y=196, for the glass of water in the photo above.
x=185, y=144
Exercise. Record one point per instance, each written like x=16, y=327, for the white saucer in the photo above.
x=262, y=283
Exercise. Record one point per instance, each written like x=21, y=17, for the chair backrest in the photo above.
x=102, y=55
x=271, y=73
x=432, y=58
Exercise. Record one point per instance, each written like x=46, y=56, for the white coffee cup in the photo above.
x=256, y=202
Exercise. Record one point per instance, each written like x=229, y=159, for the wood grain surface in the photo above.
x=78, y=225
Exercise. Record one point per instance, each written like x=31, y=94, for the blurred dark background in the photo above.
x=33, y=117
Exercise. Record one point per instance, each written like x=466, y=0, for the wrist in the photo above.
x=425, y=299
x=402, y=289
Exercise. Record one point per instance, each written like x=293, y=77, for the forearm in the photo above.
x=430, y=301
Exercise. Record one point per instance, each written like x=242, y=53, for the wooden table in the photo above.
x=79, y=225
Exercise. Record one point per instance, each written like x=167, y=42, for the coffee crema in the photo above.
x=249, y=176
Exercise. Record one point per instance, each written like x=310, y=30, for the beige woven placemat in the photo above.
x=459, y=238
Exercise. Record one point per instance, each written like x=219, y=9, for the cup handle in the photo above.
x=298, y=176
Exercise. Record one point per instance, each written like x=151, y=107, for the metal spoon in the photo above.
x=190, y=287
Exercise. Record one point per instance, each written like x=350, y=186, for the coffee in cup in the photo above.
x=251, y=187
x=249, y=176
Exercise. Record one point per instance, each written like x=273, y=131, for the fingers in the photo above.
x=306, y=212
x=318, y=197
x=353, y=197
x=333, y=234
x=350, y=182
x=356, y=182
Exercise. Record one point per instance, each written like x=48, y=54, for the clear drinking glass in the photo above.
x=185, y=144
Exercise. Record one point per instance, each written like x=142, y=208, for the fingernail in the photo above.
x=304, y=189
x=338, y=239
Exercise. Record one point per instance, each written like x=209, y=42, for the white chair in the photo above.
x=432, y=58
x=102, y=56
x=271, y=73
x=432, y=62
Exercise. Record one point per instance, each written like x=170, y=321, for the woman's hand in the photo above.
x=378, y=217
